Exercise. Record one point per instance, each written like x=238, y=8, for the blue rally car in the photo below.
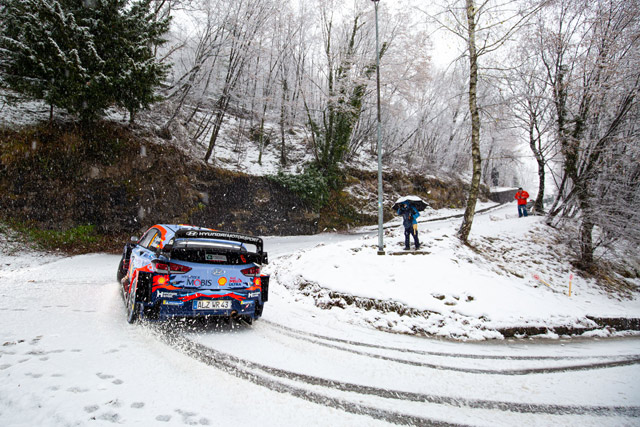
x=187, y=271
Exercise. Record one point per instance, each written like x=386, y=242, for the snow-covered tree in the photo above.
x=241, y=30
x=484, y=27
x=529, y=99
x=82, y=56
x=590, y=51
x=332, y=122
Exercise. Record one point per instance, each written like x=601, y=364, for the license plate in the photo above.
x=208, y=304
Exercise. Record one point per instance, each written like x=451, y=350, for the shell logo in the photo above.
x=222, y=281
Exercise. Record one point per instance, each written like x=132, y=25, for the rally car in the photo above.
x=187, y=271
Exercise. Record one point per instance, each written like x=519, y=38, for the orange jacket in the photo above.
x=521, y=197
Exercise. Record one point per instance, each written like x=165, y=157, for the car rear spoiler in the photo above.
x=223, y=235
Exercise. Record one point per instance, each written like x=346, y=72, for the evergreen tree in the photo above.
x=81, y=55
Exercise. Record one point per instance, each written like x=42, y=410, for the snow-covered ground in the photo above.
x=68, y=357
x=516, y=276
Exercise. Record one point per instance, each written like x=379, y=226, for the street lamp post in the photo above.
x=380, y=212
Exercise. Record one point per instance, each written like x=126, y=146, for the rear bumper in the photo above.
x=166, y=309
x=166, y=301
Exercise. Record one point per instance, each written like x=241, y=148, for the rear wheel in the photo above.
x=259, y=308
x=132, y=307
x=121, y=271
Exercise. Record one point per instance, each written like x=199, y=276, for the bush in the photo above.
x=311, y=186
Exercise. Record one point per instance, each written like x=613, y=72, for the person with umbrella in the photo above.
x=406, y=208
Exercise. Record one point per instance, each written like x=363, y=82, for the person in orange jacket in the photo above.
x=521, y=197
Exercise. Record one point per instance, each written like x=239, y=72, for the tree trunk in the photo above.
x=538, y=206
x=222, y=104
x=283, y=118
x=586, y=244
x=261, y=132
x=470, y=210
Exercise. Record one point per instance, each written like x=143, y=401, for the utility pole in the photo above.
x=380, y=211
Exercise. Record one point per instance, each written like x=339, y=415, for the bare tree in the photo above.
x=484, y=28
x=344, y=80
x=242, y=28
x=590, y=51
x=198, y=61
x=528, y=96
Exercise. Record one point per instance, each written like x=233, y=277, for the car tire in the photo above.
x=132, y=306
x=121, y=273
x=259, y=308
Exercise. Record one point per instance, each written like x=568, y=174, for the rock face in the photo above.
x=120, y=185
x=503, y=195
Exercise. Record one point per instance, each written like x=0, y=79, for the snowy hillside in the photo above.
x=516, y=275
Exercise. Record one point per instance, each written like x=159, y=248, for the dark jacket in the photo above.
x=409, y=215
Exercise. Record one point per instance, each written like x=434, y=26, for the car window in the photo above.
x=148, y=237
x=155, y=242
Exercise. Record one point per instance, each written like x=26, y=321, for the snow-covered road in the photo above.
x=68, y=357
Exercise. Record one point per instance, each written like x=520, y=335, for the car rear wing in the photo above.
x=221, y=235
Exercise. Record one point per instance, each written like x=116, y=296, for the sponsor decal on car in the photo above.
x=166, y=294
x=234, y=280
x=160, y=280
x=253, y=294
x=197, y=282
x=223, y=235
x=217, y=272
x=165, y=302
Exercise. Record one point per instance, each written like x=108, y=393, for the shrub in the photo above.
x=311, y=186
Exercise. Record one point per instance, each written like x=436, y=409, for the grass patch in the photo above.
x=76, y=239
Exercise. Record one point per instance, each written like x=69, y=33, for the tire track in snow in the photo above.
x=241, y=368
x=305, y=336
x=256, y=372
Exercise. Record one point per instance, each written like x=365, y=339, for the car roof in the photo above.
x=167, y=231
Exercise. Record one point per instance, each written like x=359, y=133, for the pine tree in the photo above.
x=80, y=55
x=39, y=57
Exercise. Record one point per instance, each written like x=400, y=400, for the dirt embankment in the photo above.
x=61, y=176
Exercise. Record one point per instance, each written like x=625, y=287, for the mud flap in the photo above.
x=264, y=295
x=143, y=293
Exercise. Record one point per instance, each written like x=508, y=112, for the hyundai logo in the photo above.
x=217, y=272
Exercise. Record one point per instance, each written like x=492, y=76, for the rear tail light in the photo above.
x=251, y=271
x=178, y=269
x=161, y=267
x=171, y=268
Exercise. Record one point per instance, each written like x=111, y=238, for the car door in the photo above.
x=142, y=254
